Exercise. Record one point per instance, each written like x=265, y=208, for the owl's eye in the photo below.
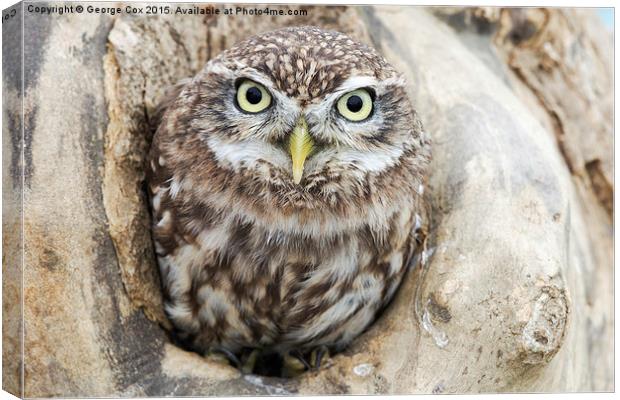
x=252, y=97
x=356, y=105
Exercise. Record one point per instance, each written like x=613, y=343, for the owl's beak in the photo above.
x=300, y=147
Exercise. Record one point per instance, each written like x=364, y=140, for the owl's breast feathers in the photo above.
x=237, y=278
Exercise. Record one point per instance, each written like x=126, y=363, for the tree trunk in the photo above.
x=514, y=289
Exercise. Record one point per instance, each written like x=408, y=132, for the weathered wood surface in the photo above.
x=517, y=292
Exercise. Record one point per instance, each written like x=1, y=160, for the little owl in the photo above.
x=285, y=182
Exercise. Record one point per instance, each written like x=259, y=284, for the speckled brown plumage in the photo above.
x=248, y=257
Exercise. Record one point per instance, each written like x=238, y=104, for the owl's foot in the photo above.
x=318, y=357
x=294, y=364
x=223, y=356
x=249, y=361
x=245, y=362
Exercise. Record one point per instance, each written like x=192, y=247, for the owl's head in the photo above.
x=300, y=118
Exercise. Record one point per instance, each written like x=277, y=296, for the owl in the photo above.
x=285, y=182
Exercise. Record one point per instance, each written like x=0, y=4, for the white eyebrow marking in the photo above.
x=356, y=82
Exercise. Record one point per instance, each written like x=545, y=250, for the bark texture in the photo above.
x=513, y=293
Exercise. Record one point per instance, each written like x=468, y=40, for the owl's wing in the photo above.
x=158, y=176
x=170, y=95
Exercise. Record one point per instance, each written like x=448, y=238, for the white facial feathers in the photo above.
x=248, y=152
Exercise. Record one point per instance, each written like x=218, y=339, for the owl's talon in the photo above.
x=218, y=352
x=299, y=355
x=294, y=364
x=250, y=362
x=317, y=356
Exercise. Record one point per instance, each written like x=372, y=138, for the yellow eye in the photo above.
x=252, y=97
x=356, y=105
